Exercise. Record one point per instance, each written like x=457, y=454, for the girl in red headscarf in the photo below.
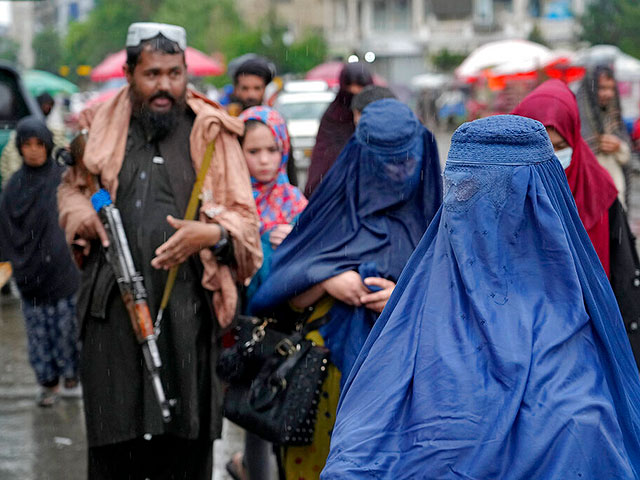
x=595, y=194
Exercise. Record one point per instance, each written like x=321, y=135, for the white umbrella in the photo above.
x=509, y=56
x=625, y=66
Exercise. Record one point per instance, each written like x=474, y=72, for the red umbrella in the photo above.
x=330, y=73
x=198, y=64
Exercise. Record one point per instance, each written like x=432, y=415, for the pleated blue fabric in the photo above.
x=502, y=353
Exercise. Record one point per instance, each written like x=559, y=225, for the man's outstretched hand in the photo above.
x=190, y=237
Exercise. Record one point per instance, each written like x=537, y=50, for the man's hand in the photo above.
x=346, y=287
x=90, y=229
x=279, y=233
x=376, y=301
x=609, y=143
x=191, y=236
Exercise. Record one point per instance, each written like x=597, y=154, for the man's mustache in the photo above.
x=162, y=94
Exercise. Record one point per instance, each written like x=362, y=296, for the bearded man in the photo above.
x=146, y=145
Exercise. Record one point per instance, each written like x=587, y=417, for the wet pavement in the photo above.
x=49, y=443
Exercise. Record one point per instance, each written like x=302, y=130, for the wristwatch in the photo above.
x=223, y=249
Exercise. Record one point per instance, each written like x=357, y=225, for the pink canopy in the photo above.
x=330, y=73
x=198, y=64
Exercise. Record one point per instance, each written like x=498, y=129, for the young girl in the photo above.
x=47, y=279
x=266, y=147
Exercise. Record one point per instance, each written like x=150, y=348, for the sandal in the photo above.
x=235, y=467
x=47, y=397
x=71, y=383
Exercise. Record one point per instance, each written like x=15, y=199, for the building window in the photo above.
x=449, y=9
x=503, y=5
x=391, y=15
x=74, y=11
x=340, y=14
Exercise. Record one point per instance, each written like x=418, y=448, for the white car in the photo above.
x=302, y=104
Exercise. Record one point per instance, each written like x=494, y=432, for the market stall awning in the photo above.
x=198, y=65
x=39, y=81
x=508, y=56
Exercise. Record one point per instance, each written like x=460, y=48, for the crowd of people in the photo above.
x=480, y=323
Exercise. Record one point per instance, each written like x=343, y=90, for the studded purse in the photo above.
x=274, y=380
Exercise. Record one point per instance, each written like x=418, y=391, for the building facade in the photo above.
x=403, y=34
x=29, y=18
x=298, y=15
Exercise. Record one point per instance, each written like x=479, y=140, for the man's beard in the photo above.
x=157, y=125
x=250, y=102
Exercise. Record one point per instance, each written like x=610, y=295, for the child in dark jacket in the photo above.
x=31, y=239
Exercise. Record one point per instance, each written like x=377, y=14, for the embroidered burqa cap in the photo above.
x=501, y=353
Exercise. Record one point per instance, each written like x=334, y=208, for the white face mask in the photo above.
x=564, y=156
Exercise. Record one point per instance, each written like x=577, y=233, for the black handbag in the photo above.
x=274, y=380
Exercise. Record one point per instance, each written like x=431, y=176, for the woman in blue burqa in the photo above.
x=501, y=353
x=349, y=246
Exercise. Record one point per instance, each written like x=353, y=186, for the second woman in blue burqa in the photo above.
x=356, y=234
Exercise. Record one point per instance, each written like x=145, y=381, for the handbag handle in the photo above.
x=264, y=391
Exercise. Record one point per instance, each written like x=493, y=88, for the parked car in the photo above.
x=302, y=104
x=15, y=102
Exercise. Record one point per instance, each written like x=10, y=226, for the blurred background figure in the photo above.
x=336, y=126
x=250, y=79
x=369, y=94
x=47, y=279
x=10, y=160
x=602, y=125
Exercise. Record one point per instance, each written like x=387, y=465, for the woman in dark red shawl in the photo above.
x=595, y=194
x=554, y=105
x=336, y=126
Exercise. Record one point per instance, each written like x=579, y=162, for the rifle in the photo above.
x=130, y=281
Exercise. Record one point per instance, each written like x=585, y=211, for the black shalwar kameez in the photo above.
x=121, y=410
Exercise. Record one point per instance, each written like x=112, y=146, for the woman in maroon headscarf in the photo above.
x=595, y=194
x=336, y=126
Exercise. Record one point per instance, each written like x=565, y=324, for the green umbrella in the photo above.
x=38, y=81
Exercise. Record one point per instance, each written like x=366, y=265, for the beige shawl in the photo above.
x=227, y=197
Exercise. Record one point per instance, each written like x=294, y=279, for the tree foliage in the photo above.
x=446, y=61
x=104, y=31
x=9, y=50
x=213, y=26
x=47, y=46
x=613, y=22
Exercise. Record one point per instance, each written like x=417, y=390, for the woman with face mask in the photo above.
x=594, y=192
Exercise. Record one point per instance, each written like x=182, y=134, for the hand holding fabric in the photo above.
x=346, y=287
x=609, y=143
x=376, y=301
x=190, y=237
x=279, y=233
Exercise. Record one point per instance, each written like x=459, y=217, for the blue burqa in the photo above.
x=368, y=214
x=501, y=354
